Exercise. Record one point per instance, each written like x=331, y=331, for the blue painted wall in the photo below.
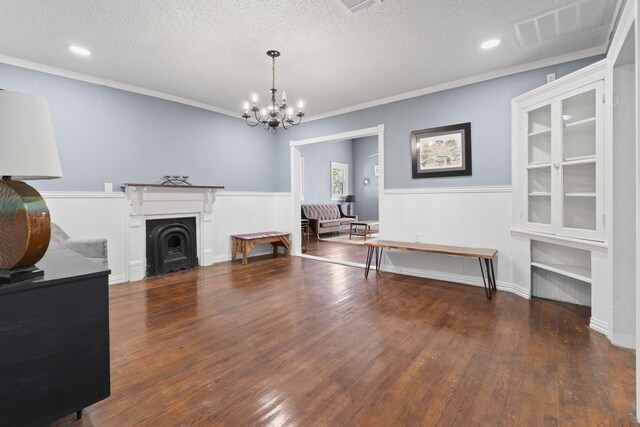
x=109, y=135
x=364, y=161
x=487, y=105
x=317, y=164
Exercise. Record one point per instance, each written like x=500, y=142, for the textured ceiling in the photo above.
x=213, y=52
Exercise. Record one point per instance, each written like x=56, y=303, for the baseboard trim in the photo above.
x=456, y=278
x=599, y=326
x=113, y=279
x=624, y=340
x=514, y=289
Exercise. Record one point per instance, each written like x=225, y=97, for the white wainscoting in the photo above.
x=84, y=215
x=239, y=212
x=92, y=215
x=470, y=216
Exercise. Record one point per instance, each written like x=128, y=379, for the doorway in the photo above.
x=623, y=245
x=299, y=188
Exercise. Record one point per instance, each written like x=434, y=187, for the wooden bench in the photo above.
x=487, y=255
x=246, y=242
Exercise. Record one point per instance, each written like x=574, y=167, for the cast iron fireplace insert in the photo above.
x=171, y=245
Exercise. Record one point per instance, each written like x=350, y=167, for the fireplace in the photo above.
x=171, y=245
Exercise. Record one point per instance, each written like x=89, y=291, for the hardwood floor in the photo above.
x=292, y=341
x=337, y=251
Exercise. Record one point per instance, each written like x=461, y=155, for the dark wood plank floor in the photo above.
x=292, y=341
x=337, y=251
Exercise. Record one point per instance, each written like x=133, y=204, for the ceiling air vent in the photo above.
x=569, y=18
x=355, y=6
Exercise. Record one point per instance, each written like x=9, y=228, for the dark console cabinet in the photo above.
x=54, y=341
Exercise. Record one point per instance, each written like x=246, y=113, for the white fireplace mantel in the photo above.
x=154, y=201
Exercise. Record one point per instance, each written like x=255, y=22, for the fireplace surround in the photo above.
x=149, y=202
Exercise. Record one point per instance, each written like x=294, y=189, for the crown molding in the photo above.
x=625, y=20
x=574, y=56
x=113, y=84
x=600, y=50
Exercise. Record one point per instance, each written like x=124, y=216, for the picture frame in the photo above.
x=339, y=174
x=441, y=151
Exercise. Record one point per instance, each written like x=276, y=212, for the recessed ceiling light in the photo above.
x=490, y=43
x=80, y=50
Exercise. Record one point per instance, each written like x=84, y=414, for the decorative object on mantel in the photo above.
x=29, y=151
x=175, y=180
x=273, y=115
x=350, y=199
x=441, y=151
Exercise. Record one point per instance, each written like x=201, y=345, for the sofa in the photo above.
x=326, y=218
x=94, y=249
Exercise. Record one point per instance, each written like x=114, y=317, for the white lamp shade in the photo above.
x=27, y=144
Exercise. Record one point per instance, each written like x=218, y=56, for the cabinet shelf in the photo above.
x=575, y=272
x=540, y=194
x=577, y=158
x=538, y=165
x=580, y=123
x=580, y=194
x=583, y=160
x=540, y=132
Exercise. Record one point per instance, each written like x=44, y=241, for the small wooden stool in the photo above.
x=246, y=242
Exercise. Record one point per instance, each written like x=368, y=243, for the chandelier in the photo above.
x=273, y=115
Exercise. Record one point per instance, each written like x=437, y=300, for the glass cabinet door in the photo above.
x=578, y=166
x=539, y=165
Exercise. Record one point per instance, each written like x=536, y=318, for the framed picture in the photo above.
x=339, y=180
x=441, y=151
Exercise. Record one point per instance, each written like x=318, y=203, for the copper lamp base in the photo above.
x=25, y=231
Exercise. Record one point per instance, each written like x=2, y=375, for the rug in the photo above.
x=344, y=238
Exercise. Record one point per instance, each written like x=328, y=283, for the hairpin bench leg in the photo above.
x=493, y=275
x=369, y=256
x=378, y=259
x=487, y=290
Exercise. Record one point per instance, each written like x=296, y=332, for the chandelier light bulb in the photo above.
x=300, y=105
x=254, y=98
x=284, y=96
x=246, y=106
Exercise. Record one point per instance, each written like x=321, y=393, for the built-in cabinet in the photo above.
x=559, y=218
x=561, y=161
